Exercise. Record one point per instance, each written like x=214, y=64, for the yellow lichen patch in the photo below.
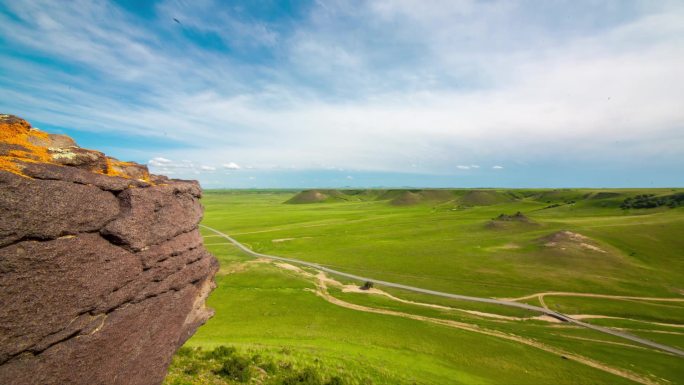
x=19, y=142
x=11, y=131
x=20, y=135
x=113, y=170
x=19, y=138
x=119, y=168
x=7, y=164
x=38, y=134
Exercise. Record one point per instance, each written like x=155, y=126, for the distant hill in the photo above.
x=554, y=198
x=407, y=198
x=485, y=198
x=418, y=196
x=315, y=196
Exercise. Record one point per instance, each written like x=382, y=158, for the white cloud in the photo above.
x=350, y=177
x=159, y=162
x=474, y=166
x=165, y=166
x=231, y=166
x=455, y=82
x=497, y=167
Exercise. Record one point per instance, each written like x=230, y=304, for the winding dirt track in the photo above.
x=323, y=293
x=607, y=296
x=502, y=302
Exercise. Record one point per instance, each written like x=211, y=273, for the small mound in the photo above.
x=484, y=198
x=319, y=196
x=407, y=198
x=568, y=240
x=412, y=197
x=517, y=217
x=505, y=221
x=308, y=196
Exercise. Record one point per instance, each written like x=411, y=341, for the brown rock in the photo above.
x=53, y=141
x=45, y=209
x=103, y=274
x=61, y=280
x=128, y=347
x=173, y=247
x=7, y=148
x=159, y=179
x=128, y=169
x=71, y=174
x=172, y=272
x=155, y=214
x=61, y=141
x=186, y=186
x=13, y=119
x=78, y=157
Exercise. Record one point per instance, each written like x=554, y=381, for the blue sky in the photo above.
x=442, y=93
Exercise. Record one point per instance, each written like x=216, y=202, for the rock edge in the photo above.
x=103, y=274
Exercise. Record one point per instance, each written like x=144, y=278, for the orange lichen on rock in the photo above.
x=21, y=143
x=8, y=165
x=134, y=170
x=16, y=143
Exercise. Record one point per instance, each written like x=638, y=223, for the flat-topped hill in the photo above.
x=464, y=198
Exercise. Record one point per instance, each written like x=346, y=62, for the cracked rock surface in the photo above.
x=103, y=274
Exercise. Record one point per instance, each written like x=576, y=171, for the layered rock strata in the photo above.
x=103, y=274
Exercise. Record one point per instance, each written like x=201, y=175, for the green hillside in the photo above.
x=575, y=251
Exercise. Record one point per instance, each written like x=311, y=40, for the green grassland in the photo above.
x=457, y=241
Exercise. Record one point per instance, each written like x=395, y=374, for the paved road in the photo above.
x=548, y=312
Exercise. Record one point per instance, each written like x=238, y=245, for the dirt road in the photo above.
x=502, y=302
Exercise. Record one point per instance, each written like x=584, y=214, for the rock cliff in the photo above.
x=103, y=274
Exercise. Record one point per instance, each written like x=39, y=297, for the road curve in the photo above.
x=548, y=312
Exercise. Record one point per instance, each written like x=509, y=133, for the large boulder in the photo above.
x=38, y=209
x=48, y=171
x=103, y=274
x=155, y=214
x=78, y=157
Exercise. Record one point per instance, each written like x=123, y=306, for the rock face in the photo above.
x=103, y=274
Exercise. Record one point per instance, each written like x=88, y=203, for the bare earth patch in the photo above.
x=280, y=240
x=563, y=239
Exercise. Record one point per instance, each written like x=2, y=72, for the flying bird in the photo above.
x=176, y=20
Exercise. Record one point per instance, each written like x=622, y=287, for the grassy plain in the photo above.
x=569, y=241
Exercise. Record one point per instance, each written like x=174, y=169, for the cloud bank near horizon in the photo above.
x=461, y=91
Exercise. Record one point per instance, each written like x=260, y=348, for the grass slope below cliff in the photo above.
x=588, y=257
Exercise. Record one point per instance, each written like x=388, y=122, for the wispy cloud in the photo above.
x=440, y=83
x=231, y=166
x=160, y=162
